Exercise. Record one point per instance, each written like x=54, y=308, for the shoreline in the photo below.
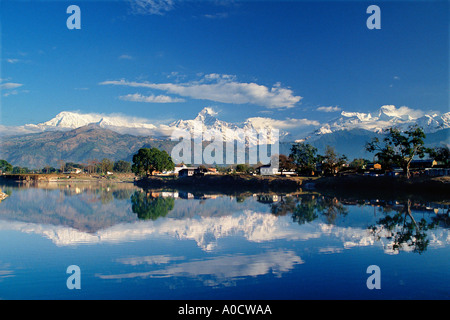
x=227, y=184
x=348, y=185
x=52, y=177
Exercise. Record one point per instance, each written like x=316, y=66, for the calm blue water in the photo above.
x=135, y=244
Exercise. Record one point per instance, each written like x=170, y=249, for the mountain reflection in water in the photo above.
x=178, y=244
x=70, y=214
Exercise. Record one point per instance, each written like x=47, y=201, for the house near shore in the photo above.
x=373, y=166
x=188, y=172
x=267, y=170
x=74, y=170
x=196, y=171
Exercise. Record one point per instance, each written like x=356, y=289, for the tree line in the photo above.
x=91, y=167
x=396, y=149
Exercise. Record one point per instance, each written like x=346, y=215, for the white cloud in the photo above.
x=136, y=97
x=10, y=85
x=220, y=15
x=11, y=93
x=125, y=57
x=149, y=7
x=401, y=112
x=12, y=60
x=329, y=109
x=223, y=88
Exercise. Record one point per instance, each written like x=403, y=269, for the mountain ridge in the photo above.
x=61, y=139
x=387, y=116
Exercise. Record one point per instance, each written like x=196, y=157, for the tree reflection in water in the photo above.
x=403, y=230
x=310, y=206
x=147, y=206
x=398, y=224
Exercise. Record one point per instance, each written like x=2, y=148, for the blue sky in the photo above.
x=167, y=59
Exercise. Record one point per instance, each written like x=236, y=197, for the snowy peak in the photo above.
x=72, y=120
x=211, y=128
x=207, y=116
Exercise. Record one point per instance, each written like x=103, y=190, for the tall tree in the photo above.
x=399, y=148
x=331, y=161
x=304, y=157
x=147, y=161
x=122, y=166
x=285, y=163
x=106, y=165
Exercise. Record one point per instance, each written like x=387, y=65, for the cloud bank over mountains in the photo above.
x=220, y=88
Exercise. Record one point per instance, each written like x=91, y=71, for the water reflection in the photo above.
x=147, y=206
x=71, y=214
x=163, y=242
x=403, y=230
x=214, y=271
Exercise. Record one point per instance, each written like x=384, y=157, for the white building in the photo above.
x=268, y=170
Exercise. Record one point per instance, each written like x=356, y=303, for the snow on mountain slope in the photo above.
x=211, y=127
x=207, y=122
x=387, y=116
x=72, y=120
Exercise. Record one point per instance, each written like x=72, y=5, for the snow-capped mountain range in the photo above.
x=205, y=122
x=211, y=127
x=387, y=116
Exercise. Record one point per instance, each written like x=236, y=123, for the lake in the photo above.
x=130, y=243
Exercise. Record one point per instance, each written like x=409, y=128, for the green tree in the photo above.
x=358, y=163
x=440, y=154
x=304, y=156
x=48, y=169
x=399, y=148
x=5, y=166
x=285, y=163
x=122, y=166
x=242, y=168
x=106, y=165
x=331, y=161
x=147, y=161
x=20, y=170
